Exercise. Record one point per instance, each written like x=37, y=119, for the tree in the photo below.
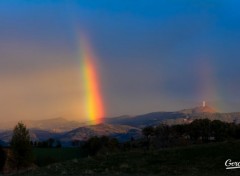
x=76, y=143
x=58, y=144
x=92, y=145
x=163, y=132
x=205, y=129
x=219, y=130
x=194, y=130
x=104, y=144
x=178, y=130
x=21, y=147
x=112, y=144
x=3, y=158
x=147, y=132
x=50, y=142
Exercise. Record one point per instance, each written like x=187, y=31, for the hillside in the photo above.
x=54, y=125
x=121, y=132
x=178, y=117
x=149, y=119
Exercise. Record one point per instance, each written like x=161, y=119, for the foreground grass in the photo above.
x=46, y=156
x=199, y=160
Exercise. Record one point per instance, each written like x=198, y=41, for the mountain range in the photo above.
x=122, y=132
x=56, y=125
x=123, y=127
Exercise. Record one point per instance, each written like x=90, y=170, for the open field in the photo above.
x=45, y=156
x=207, y=159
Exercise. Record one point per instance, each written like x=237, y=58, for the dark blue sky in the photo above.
x=153, y=55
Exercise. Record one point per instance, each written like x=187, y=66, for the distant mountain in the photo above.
x=141, y=121
x=6, y=136
x=35, y=134
x=56, y=125
x=41, y=135
x=197, y=110
x=178, y=117
x=122, y=132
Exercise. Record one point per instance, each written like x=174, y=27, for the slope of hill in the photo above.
x=122, y=132
x=141, y=121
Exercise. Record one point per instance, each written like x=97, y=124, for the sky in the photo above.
x=149, y=55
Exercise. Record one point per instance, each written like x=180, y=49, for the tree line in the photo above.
x=198, y=131
x=49, y=143
x=163, y=136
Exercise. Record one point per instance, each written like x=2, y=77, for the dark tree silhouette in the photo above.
x=205, y=129
x=58, y=144
x=21, y=147
x=179, y=130
x=50, y=142
x=104, y=144
x=219, y=130
x=163, y=132
x=194, y=130
x=198, y=131
x=147, y=132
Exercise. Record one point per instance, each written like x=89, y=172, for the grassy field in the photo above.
x=199, y=160
x=45, y=156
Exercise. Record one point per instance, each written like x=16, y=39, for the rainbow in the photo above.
x=93, y=102
x=208, y=88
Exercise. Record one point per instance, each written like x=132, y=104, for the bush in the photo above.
x=102, y=144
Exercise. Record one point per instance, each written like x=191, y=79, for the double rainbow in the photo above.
x=94, y=109
x=208, y=88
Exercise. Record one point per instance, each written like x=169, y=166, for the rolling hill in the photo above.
x=141, y=121
x=122, y=132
